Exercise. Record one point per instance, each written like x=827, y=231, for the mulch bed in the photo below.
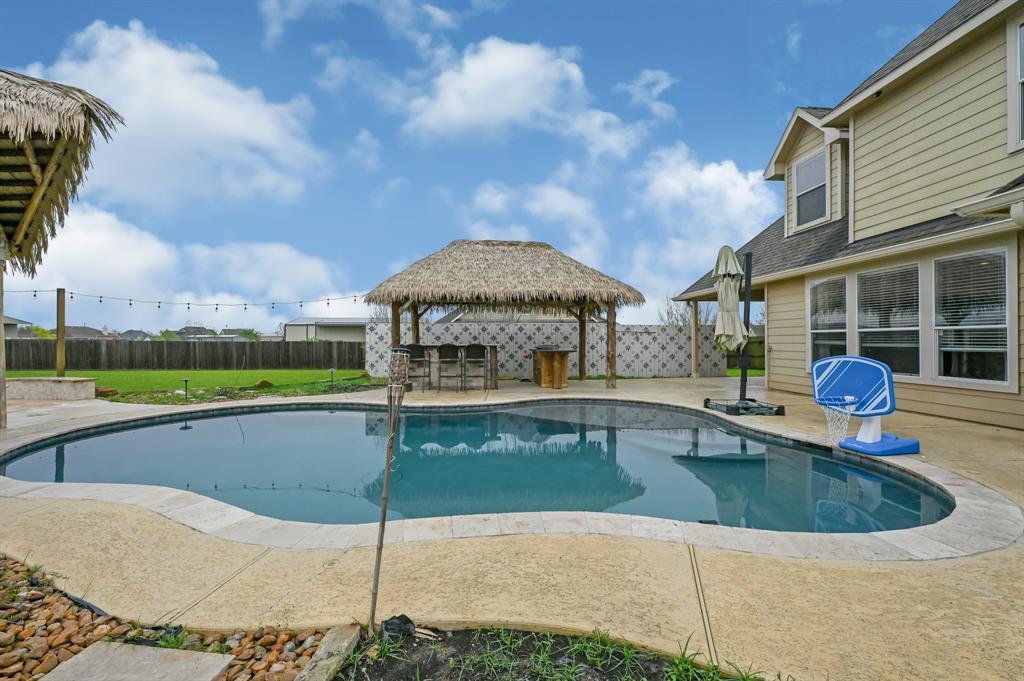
x=496, y=654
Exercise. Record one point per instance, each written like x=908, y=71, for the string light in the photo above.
x=216, y=305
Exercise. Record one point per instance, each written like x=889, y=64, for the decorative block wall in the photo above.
x=643, y=350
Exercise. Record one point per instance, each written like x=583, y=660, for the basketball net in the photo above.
x=837, y=416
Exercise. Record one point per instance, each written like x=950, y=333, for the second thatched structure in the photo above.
x=47, y=133
x=505, y=275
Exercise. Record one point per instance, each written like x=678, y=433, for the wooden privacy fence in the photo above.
x=102, y=355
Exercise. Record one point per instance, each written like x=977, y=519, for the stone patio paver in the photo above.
x=104, y=661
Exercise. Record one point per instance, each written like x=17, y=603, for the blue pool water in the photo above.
x=326, y=466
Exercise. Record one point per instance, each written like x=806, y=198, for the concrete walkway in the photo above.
x=816, y=619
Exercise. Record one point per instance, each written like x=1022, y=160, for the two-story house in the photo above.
x=902, y=234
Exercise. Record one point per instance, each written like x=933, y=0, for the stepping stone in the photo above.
x=104, y=661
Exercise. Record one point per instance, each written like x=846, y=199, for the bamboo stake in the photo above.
x=398, y=375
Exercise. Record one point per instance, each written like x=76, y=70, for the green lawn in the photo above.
x=167, y=381
x=735, y=373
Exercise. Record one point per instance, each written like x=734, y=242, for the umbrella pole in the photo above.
x=399, y=372
x=748, y=260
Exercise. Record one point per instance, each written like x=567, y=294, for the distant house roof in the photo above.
x=81, y=332
x=958, y=15
x=135, y=334
x=329, y=321
x=15, y=320
x=774, y=253
x=196, y=331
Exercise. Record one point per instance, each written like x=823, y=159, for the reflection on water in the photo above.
x=327, y=467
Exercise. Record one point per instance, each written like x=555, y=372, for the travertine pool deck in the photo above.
x=952, y=617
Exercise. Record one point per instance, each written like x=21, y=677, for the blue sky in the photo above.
x=306, y=149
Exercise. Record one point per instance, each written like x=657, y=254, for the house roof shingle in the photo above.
x=774, y=253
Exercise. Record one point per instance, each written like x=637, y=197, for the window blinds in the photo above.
x=888, y=299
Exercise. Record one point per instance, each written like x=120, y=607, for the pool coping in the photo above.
x=983, y=520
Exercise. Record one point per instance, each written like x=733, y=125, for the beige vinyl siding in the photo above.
x=935, y=142
x=787, y=358
x=786, y=340
x=809, y=140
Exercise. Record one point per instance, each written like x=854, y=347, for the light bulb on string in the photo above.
x=129, y=302
x=34, y=294
x=101, y=300
x=188, y=307
x=158, y=304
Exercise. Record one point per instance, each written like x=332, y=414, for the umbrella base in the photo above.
x=745, y=407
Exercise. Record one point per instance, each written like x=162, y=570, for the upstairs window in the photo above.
x=1020, y=83
x=809, y=180
x=970, y=316
x=888, y=318
x=827, y=306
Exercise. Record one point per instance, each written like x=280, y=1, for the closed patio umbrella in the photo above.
x=730, y=333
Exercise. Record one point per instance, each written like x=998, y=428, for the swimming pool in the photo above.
x=324, y=465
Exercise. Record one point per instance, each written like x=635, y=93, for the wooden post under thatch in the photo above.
x=3, y=353
x=581, y=354
x=396, y=324
x=415, y=309
x=609, y=381
x=694, y=339
x=61, y=359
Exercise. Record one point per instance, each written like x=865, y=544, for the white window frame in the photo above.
x=926, y=318
x=811, y=283
x=797, y=226
x=920, y=313
x=1014, y=83
x=1010, y=369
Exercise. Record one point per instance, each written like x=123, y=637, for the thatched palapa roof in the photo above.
x=504, y=275
x=46, y=137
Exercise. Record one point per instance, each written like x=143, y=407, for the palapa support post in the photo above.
x=398, y=375
x=694, y=339
x=396, y=324
x=581, y=353
x=415, y=311
x=3, y=347
x=61, y=358
x=609, y=380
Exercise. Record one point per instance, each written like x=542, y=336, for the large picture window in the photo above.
x=810, y=176
x=827, y=306
x=888, y=318
x=970, y=316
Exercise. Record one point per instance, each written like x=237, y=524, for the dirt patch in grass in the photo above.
x=504, y=655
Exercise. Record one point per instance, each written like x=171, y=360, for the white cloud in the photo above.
x=554, y=203
x=190, y=132
x=149, y=268
x=500, y=85
x=439, y=18
x=384, y=193
x=279, y=13
x=481, y=229
x=646, y=88
x=493, y=197
x=365, y=150
x=410, y=21
x=794, y=36
x=341, y=70
x=701, y=206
